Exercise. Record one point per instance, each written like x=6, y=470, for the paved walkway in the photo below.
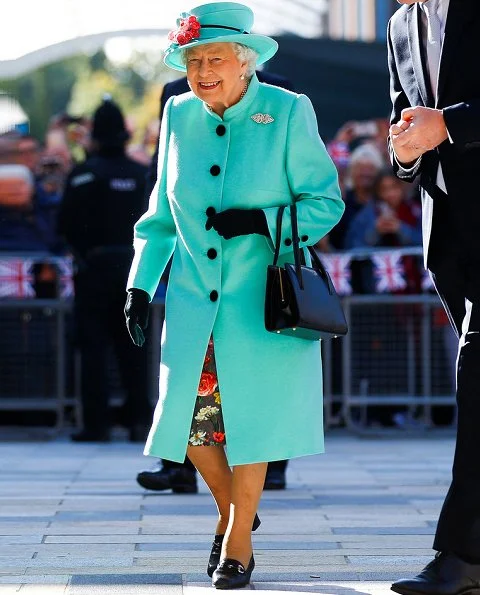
x=73, y=520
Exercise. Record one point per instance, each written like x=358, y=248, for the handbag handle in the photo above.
x=278, y=235
x=316, y=262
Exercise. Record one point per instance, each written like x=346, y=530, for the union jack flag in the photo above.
x=16, y=279
x=389, y=272
x=65, y=269
x=339, y=152
x=338, y=267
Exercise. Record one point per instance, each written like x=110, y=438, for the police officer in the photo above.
x=104, y=197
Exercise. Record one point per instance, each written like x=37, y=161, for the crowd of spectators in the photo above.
x=380, y=211
x=32, y=180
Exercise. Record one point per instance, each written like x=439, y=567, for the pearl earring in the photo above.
x=242, y=78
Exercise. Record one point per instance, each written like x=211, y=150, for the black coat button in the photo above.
x=288, y=242
x=212, y=253
x=210, y=212
x=221, y=130
x=214, y=295
x=304, y=238
x=215, y=170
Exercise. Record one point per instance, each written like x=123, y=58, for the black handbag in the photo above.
x=301, y=301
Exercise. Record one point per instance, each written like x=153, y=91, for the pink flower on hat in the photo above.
x=188, y=30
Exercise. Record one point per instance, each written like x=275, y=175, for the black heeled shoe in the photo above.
x=214, y=559
x=232, y=574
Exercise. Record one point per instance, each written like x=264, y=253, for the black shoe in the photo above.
x=157, y=479
x=183, y=481
x=138, y=433
x=447, y=574
x=275, y=480
x=231, y=574
x=89, y=436
x=214, y=559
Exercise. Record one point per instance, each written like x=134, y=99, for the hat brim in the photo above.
x=265, y=46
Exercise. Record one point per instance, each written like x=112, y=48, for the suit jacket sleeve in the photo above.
x=399, y=103
x=155, y=233
x=313, y=181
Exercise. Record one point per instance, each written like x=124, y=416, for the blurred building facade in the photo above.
x=359, y=20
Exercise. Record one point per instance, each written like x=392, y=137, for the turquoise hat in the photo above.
x=216, y=22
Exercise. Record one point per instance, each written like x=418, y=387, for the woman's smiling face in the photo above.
x=213, y=73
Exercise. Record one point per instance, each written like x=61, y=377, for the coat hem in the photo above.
x=239, y=460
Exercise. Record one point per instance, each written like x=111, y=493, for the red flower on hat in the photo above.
x=188, y=29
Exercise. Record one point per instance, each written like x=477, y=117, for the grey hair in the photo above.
x=243, y=53
x=248, y=55
x=367, y=152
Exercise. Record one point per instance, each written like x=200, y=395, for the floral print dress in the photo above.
x=207, y=427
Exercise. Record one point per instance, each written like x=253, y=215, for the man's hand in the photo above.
x=420, y=129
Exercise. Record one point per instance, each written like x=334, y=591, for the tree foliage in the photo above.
x=76, y=86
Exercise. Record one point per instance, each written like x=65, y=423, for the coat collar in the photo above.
x=240, y=107
x=459, y=14
x=417, y=52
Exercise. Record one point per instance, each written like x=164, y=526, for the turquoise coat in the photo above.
x=270, y=385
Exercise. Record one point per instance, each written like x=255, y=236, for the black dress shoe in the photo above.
x=232, y=574
x=447, y=574
x=214, y=559
x=183, y=481
x=275, y=480
x=157, y=479
x=178, y=479
x=88, y=436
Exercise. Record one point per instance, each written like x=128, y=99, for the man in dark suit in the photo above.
x=435, y=134
x=181, y=478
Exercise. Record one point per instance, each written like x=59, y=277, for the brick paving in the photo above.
x=73, y=521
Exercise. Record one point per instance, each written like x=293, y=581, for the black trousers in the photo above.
x=100, y=326
x=457, y=281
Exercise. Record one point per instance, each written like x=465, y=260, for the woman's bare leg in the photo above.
x=247, y=486
x=211, y=463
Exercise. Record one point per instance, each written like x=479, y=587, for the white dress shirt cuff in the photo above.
x=407, y=169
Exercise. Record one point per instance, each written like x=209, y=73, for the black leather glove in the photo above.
x=136, y=314
x=238, y=222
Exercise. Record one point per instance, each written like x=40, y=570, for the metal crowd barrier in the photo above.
x=396, y=361
x=395, y=365
x=39, y=362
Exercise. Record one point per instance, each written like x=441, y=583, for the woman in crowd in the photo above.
x=390, y=219
x=231, y=153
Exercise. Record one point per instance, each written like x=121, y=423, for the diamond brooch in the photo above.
x=262, y=118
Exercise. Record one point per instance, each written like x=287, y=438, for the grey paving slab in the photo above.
x=383, y=530
x=141, y=584
x=35, y=579
x=48, y=589
x=97, y=515
x=20, y=539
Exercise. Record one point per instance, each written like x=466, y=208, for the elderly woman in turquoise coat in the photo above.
x=233, y=396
